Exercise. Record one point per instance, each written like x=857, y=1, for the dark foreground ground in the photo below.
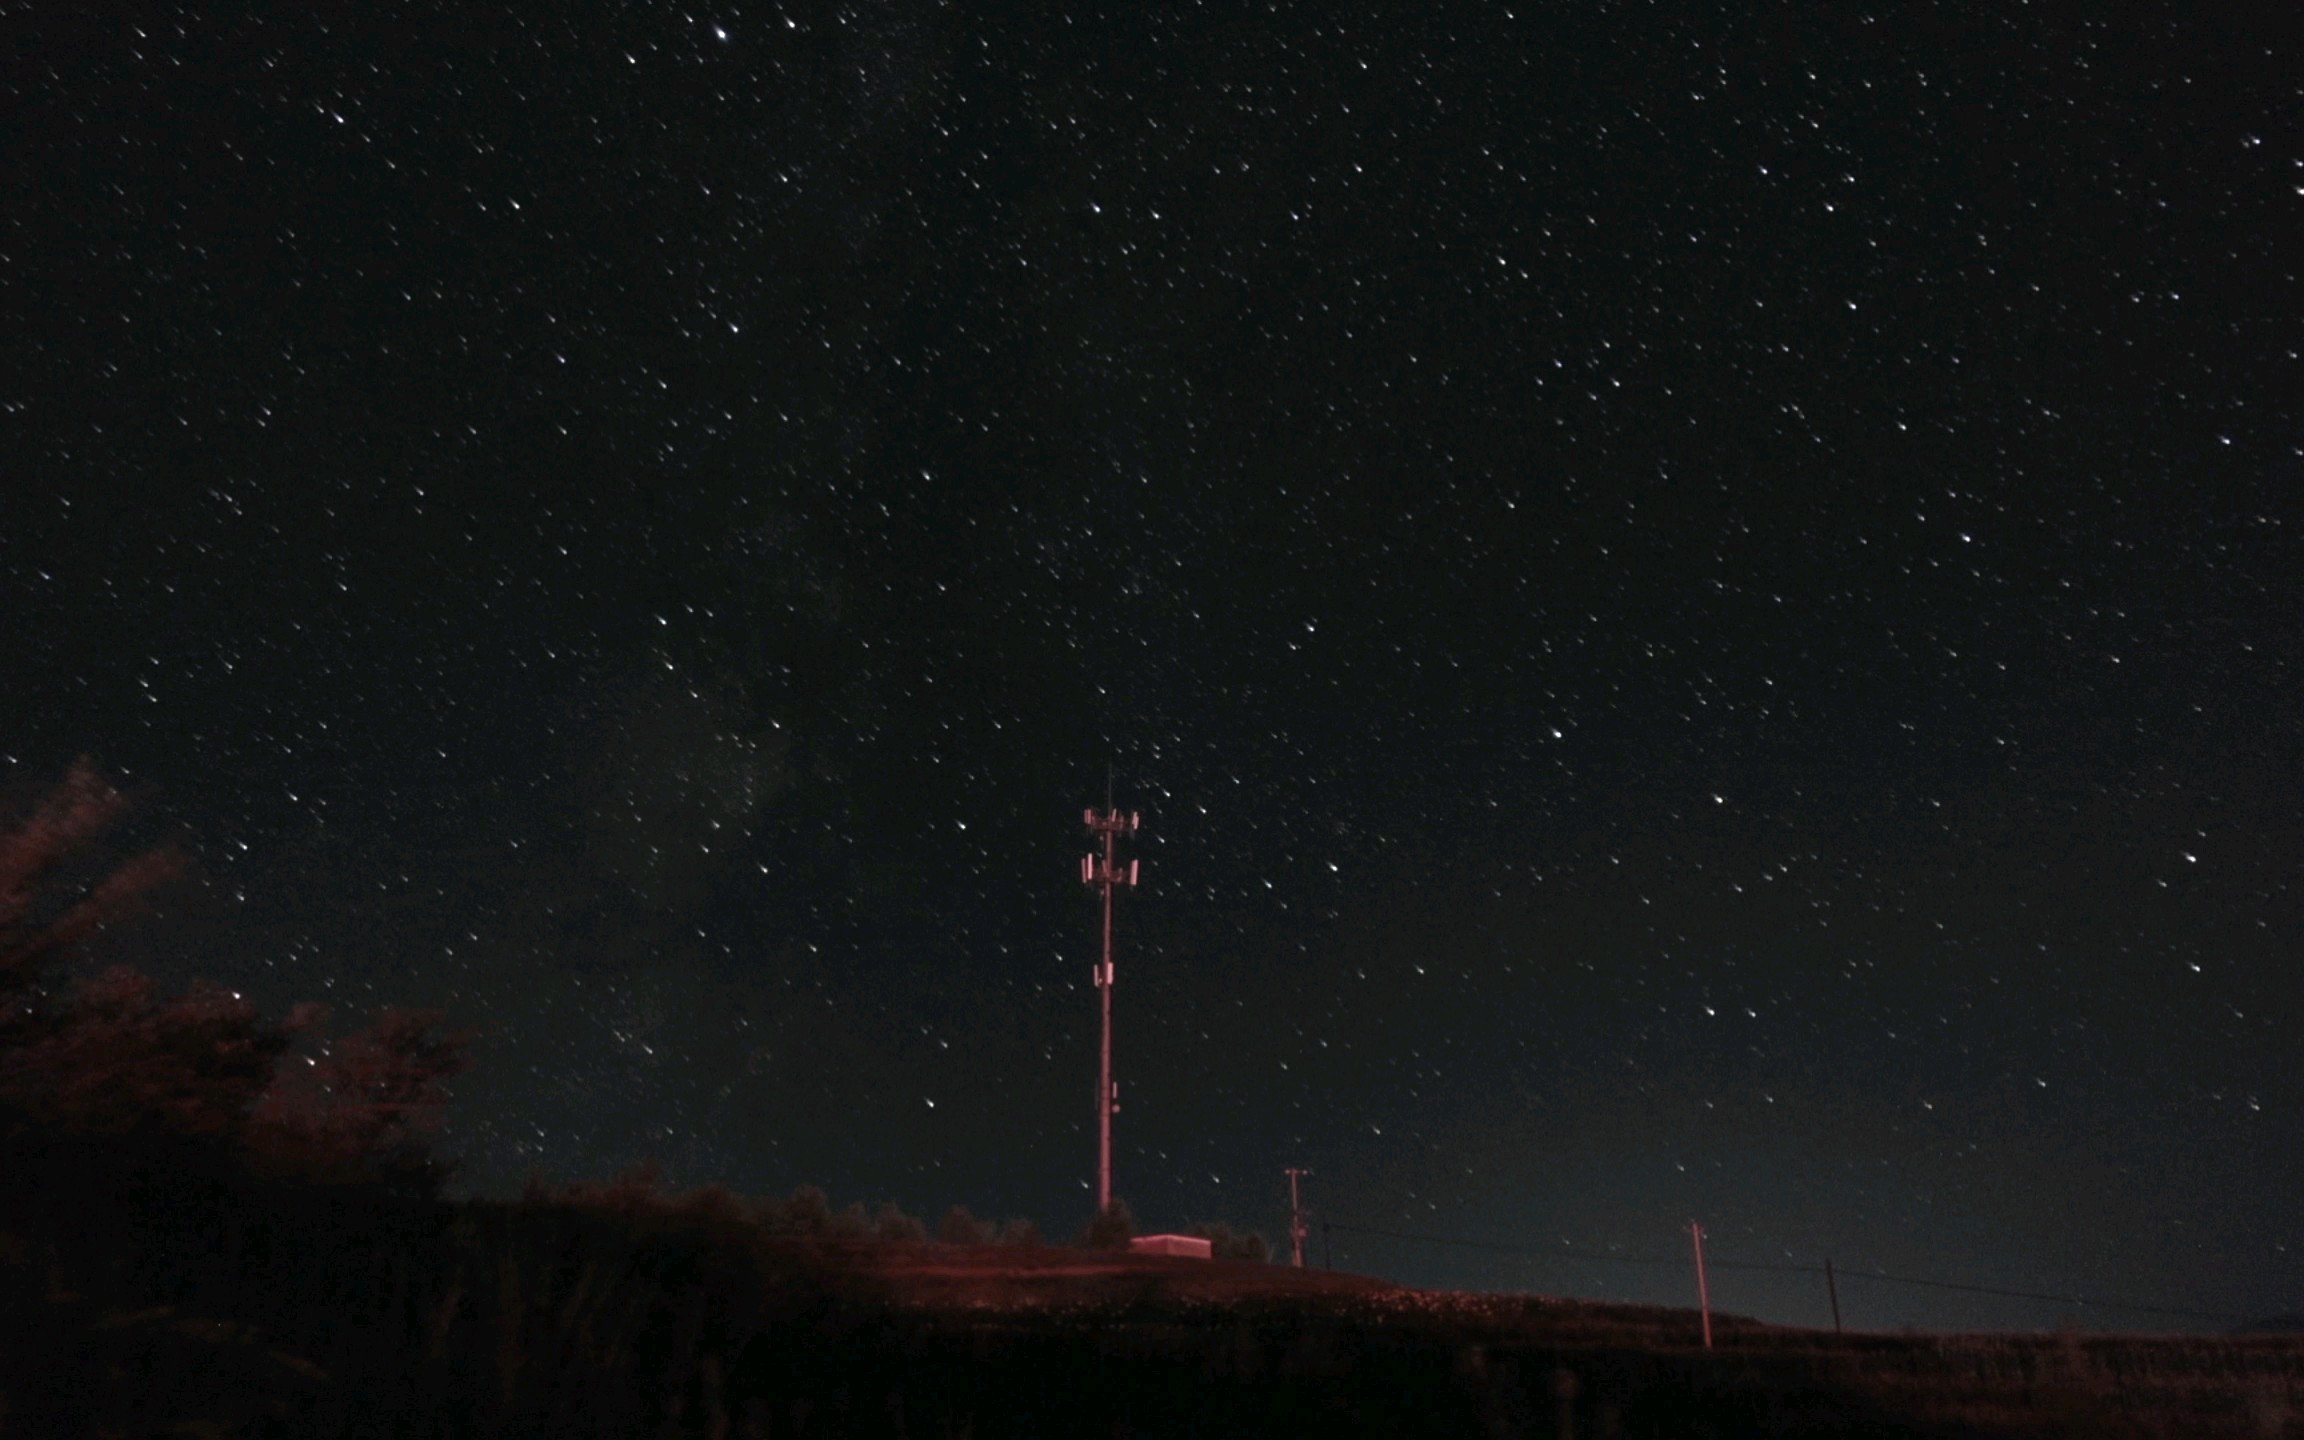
x=185, y=1310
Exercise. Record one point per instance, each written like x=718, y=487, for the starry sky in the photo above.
x=1700, y=603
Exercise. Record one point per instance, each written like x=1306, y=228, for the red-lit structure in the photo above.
x=1187, y=1247
x=1107, y=873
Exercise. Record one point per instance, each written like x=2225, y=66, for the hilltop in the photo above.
x=1537, y=1365
x=296, y=1312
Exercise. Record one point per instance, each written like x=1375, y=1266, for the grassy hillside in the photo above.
x=224, y=1306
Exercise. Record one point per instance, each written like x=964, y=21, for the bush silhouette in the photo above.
x=365, y=1108
x=637, y=1189
x=807, y=1214
x=1111, y=1228
x=715, y=1202
x=958, y=1227
x=891, y=1223
x=44, y=910
x=1224, y=1244
x=112, y=1058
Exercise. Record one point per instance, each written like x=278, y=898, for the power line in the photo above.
x=1792, y=1268
x=2038, y=1295
x=1506, y=1246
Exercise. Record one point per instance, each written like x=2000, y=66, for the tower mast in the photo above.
x=1106, y=873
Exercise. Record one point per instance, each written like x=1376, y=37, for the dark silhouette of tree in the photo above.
x=714, y=1202
x=638, y=1189
x=1224, y=1243
x=44, y=908
x=808, y=1213
x=116, y=1060
x=369, y=1106
x=111, y=1057
x=958, y=1227
x=890, y=1222
x=1111, y=1229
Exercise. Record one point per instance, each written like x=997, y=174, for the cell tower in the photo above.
x=1107, y=873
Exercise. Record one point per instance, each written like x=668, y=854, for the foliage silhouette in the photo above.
x=111, y=1057
x=114, y=1059
x=45, y=907
x=1226, y=1244
x=958, y=1227
x=367, y=1107
x=1110, y=1229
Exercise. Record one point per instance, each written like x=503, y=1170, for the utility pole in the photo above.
x=1295, y=1219
x=1832, y=1289
x=1703, y=1296
x=1106, y=873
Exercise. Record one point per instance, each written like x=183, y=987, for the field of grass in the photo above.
x=1539, y=1366
x=236, y=1310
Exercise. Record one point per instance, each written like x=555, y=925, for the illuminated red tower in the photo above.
x=1107, y=872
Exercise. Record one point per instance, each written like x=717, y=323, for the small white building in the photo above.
x=1190, y=1246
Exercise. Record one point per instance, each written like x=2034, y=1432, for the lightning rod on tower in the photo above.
x=1107, y=873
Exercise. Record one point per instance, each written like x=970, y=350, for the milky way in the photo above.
x=1700, y=606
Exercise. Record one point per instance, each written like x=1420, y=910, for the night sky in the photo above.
x=1701, y=603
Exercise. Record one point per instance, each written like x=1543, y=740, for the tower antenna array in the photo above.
x=1107, y=873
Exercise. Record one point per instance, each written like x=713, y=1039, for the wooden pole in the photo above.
x=1832, y=1288
x=1703, y=1295
x=1295, y=1219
